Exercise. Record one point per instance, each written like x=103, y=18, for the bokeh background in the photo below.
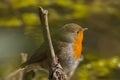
x=20, y=32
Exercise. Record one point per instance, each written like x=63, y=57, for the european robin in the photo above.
x=67, y=45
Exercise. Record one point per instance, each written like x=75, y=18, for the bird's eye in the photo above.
x=78, y=32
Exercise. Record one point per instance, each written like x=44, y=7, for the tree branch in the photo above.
x=46, y=33
x=18, y=73
x=56, y=71
x=23, y=60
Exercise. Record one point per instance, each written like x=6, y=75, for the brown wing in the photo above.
x=38, y=56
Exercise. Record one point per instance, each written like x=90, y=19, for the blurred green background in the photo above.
x=20, y=32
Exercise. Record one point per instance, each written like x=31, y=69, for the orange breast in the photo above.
x=77, y=45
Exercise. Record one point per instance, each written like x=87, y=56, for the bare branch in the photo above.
x=20, y=71
x=23, y=60
x=44, y=23
x=56, y=71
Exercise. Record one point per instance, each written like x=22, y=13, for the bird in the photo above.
x=67, y=43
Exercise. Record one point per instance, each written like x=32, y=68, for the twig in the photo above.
x=11, y=75
x=19, y=71
x=23, y=60
x=46, y=33
x=56, y=71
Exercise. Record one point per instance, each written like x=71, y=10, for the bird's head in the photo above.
x=70, y=32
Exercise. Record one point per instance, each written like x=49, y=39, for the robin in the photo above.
x=67, y=45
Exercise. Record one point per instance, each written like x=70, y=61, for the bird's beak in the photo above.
x=84, y=29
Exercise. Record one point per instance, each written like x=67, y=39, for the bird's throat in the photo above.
x=77, y=45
